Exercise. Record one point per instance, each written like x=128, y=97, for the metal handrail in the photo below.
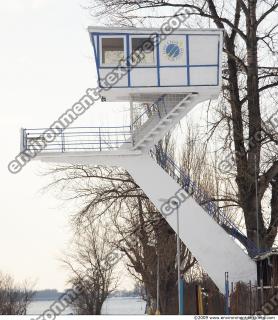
x=79, y=138
x=204, y=200
x=73, y=128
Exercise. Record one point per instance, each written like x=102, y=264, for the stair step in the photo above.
x=159, y=122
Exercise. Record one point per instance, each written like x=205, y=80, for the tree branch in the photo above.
x=269, y=11
x=266, y=178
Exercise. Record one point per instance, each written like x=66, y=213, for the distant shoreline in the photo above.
x=53, y=295
x=58, y=296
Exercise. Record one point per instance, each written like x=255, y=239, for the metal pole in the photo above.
x=182, y=295
x=197, y=300
x=261, y=283
x=227, y=294
x=250, y=297
x=179, y=259
x=200, y=300
x=257, y=203
x=157, y=286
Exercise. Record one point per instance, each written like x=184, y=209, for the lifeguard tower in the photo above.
x=184, y=62
x=172, y=74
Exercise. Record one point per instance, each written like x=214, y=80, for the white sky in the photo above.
x=46, y=64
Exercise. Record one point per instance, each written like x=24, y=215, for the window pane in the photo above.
x=144, y=47
x=112, y=50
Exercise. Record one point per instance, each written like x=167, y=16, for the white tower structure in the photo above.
x=171, y=73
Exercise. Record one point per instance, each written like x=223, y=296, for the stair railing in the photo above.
x=204, y=200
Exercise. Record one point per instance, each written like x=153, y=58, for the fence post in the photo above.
x=200, y=301
x=181, y=311
x=227, y=294
x=197, y=300
x=257, y=298
x=262, y=292
x=233, y=299
x=250, y=297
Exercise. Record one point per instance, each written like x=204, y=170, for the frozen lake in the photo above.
x=124, y=306
x=117, y=306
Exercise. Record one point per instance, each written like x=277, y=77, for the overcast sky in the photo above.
x=46, y=64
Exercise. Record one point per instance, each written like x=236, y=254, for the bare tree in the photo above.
x=250, y=77
x=149, y=243
x=137, y=230
x=14, y=298
x=91, y=269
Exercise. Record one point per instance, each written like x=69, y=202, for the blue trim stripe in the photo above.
x=168, y=66
x=157, y=45
x=187, y=60
x=95, y=38
x=98, y=61
x=164, y=86
x=147, y=33
x=98, y=53
x=95, y=53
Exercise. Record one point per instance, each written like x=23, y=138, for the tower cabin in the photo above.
x=149, y=62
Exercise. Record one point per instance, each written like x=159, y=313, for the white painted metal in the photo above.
x=214, y=249
x=124, y=94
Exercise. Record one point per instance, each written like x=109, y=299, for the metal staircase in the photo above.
x=165, y=112
x=128, y=147
x=215, y=250
x=204, y=200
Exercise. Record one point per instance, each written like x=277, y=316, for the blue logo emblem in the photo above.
x=173, y=50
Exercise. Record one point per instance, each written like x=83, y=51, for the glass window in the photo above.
x=112, y=50
x=143, y=51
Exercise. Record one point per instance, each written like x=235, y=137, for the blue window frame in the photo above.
x=128, y=44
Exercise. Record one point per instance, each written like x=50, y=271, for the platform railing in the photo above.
x=205, y=201
x=79, y=139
